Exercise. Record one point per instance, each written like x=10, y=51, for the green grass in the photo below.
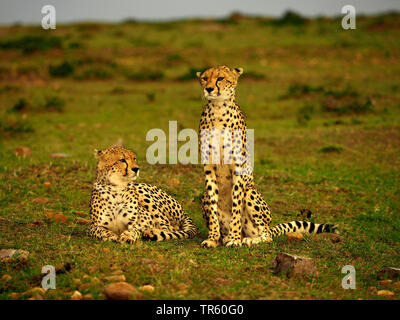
x=324, y=104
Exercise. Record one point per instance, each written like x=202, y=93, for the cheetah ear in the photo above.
x=96, y=153
x=239, y=71
x=198, y=74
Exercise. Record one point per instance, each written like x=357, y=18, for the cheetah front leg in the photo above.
x=235, y=225
x=211, y=207
x=102, y=233
x=131, y=235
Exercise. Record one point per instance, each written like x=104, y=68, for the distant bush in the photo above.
x=347, y=105
x=54, y=103
x=94, y=73
x=14, y=125
x=304, y=114
x=253, y=75
x=331, y=149
x=173, y=58
x=63, y=69
x=290, y=18
x=298, y=89
x=10, y=88
x=143, y=42
x=118, y=90
x=144, y=75
x=151, y=96
x=190, y=74
x=29, y=43
x=20, y=105
x=75, y=45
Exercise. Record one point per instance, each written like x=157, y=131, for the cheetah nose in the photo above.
x=209, y=89
x=135, y=170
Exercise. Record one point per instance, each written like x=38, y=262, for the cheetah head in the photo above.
x=219, y=83
x=116, y=166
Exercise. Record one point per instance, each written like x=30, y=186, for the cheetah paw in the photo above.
x=128, y=237
x=209, y=243
x=234, y=243
x=152, y=234
x=113, y=238
x=248, y=242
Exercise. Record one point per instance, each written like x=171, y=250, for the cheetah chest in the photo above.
x=118, y=210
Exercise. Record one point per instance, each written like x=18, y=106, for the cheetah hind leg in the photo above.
x=258, y=219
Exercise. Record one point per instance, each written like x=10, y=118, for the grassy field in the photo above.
x=325, y=107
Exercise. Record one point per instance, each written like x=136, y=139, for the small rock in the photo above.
x=373, y=289
x=59, y=217
x=120, y=291
x=147, y=288
x=173, y=181
x=40, y=200
x=294, y=236
x=6, y=277
x=84, y=286
x=116, y=278
x=14, y=295
x=88, y=296
x=11, y=255
x=294, y=265
x=385, y=293
x=23, y=152
x=80, y=213
x=183, y=288
x=76, y=296
x=59, y=155
x=117, y=272
x=77, y=282
x=82, y=221
x=385, y=283
x=389, y=273
x=35, y=291
x=290, y=293
x=49, y=215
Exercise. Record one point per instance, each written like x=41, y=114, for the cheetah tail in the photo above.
x=187, y=230
x=303, y=227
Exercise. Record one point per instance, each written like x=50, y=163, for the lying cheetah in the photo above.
x=235, y=212
x=122, y=211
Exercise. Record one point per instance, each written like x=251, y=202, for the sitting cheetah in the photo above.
x=232, y=207
x=122, y=211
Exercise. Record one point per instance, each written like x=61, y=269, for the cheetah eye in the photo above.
x=122, y=160
x=204, y=78
x=220, y=78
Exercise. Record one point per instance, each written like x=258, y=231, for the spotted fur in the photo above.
x=123, y=211
x=234, y=211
